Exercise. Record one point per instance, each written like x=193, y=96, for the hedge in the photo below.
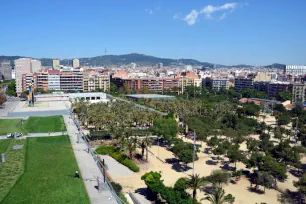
x=117, y=155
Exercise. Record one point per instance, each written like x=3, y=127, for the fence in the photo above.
x=98, y=162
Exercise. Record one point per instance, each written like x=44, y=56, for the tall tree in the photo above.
x=195, y=182
x=219, y=197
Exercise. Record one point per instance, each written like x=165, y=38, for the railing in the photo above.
x=101, y=167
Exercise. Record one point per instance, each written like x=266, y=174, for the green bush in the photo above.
x=117, y=155
x=117, y=187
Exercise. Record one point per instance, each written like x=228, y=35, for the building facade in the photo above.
x=93, y=81
x=22, y=66
x=56, y=64
x=54, y=80
x=242, y=83
x=75, y=63
x=71, y=81
x=295, y=69
x=277, y=87
x=35, y=65
x=6, y=70
x=298, y=93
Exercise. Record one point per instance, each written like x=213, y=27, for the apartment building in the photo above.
x=242, y=83
x=56, y=64
x=275, y=87
x=75, y=63
x=71, y=81
x=5, y=70
x=35, y=65
x=54, y=82
x=41, y=80
x=93, y=80
x=188, y=79
x=295, y=69
x=215, y=83
x=26, y=79
x=22, y=66
x=298, y=93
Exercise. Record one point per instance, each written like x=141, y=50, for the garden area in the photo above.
x=33, y=125
x=48, y=175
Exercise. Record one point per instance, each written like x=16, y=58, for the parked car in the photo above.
x=13, y=135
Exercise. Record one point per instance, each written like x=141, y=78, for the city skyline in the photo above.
x=222, y=32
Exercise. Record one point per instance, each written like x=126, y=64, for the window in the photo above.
x=93, y=98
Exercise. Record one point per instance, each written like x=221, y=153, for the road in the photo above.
x=9, y=105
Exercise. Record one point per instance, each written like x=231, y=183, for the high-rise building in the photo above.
x=295, y=69
x=35, y=65
x=5, y=70
x=56, y=64
x=22, y=66
x=75, y=63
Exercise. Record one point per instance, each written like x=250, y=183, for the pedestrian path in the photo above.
x=88, y=167
x=115, y=169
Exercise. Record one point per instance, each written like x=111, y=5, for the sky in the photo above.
x=257, y=32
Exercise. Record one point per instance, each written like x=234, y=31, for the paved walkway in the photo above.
x=88, y=168
x=52, y=134
x=115, y=169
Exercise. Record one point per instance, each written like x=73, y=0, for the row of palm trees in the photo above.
x=121, y=120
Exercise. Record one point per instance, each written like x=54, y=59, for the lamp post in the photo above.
x=194, y=149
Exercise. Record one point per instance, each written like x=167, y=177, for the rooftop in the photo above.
x=150, y=96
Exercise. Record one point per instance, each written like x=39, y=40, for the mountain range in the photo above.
x=139, y=59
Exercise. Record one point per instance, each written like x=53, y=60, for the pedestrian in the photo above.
x=76, y=175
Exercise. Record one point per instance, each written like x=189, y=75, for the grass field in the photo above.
x=10, y=125
x=45, y=124
x=13, y=168
x=48, y=176
x=4, y=144
x=33, y=125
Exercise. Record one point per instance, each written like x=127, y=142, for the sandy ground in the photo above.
x=170, y=174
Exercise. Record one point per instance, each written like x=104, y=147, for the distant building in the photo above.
x=160, y=65
x=133, y=65
x=22, y=66
x=215, y=84
x=56, y=64
x=295, y=69
x=13, y=74
x=298, y=93
x=35, y=65
x=188, y=79
x=277, y=87
x=6, y=70
x=263, y=76
x=94, y=80
x=242, y=83
x=75, y=63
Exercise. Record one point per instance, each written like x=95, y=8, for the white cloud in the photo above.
x=149, y=11
x=208, y=11
x=192, y=17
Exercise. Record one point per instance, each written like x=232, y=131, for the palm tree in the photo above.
x=219, y=197
x=195, y=182
x=145, y=143
x=130, y=146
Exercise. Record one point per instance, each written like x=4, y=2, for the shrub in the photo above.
x=117, y=155
x=117, y=187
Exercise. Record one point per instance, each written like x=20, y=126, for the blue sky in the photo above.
x=257, y=32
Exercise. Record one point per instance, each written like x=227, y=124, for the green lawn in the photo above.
x=48, y=176
x=45, y=124
x=4, y=144
x=10, y=125
x=12, y=169
x=33, y=125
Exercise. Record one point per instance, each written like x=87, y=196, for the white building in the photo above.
x=56, y=64
x=75, y=63
x=22, y=66
x=295, y=69
x=35, y=65
x=54, y=82
x=133, y=65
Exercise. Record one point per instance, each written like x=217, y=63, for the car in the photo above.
x=14, y=135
